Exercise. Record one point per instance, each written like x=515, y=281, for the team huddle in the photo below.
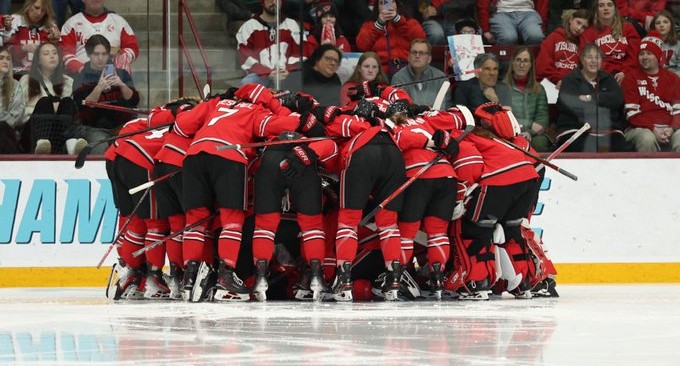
x=252, y=195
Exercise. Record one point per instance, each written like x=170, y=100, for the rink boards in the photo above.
x=617, y=224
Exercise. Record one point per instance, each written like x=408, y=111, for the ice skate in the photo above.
x=119, y=273
x=175, y=281
x=437, y=280
x=317, y=283
x=475, y=290
x=229, y=286
x=133, y=287
x=204, y=284
x=301, y=288
x=156, y=287
x=522, y=291
x=342, y=287
x=392, y=283
x=189, y=279
x=545, y=288
x=261, y=284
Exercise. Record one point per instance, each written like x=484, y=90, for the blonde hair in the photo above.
x=567, y=17
x=48, y=19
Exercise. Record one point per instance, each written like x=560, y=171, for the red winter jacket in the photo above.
x=373, y=37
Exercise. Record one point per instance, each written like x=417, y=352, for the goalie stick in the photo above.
x=274, y=143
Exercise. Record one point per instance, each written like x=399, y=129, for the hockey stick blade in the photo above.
x=82, y=155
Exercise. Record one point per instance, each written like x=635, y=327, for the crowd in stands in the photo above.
x=299, y=45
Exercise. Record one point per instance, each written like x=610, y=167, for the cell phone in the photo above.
x=109, y=70
x=385, y=4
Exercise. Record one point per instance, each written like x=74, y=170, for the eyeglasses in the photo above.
x=522, y=60
x=331, y=60
x=419, y=53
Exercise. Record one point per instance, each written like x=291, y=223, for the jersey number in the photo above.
x=226, y=112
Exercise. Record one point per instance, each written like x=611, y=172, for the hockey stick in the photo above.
x=80, y=159
x=565, y=145
x=447, y=76
x=274, y=143
x=152, y=182
x=172, y=235
x=115, y=107
x=439, y=100
x=537, y=158
x=122, y=229
x=410, y=181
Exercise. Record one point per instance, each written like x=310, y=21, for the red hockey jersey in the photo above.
x=216, y=123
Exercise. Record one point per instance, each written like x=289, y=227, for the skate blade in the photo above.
x=391, y=295
x=112, y=290
x=260, y=296
x=343, y=296
x=477, y=296
x=304, y=295
x=524, y=295
x=224, y=295
x=201, y=275
x=318, y=296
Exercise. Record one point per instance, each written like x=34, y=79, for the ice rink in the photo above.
x=587, y=325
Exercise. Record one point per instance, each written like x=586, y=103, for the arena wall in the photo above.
x=619, y=223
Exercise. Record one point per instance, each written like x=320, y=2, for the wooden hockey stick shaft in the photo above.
x=122, y=229
x=172, y=235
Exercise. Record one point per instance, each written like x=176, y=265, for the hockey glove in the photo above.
x=298, y=159
x=310, y=126
x=366, y=89
x=416, y=109
x=369, y=111
x=325, y=114
x=229, y=93
x=444, y=143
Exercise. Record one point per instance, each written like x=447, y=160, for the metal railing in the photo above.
x=183, y=50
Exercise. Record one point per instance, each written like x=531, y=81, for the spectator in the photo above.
x=558, y=55
x=319, y=75
x=651, y=95
x=263, y=60
x=557, y=9
x=419, y=68
x=326, y=31
x=484, y=87
x=60, y=6
x=664, y=23
x=48, y=117
x=640, y=11
x=389, y=34
x=513, y=20
x=466, y=26
x=617, y=38
x=33, y=25
x=11, y=105
x=96, y=84
x=440, y=17
x=529, y=101
x=589, y=94
x=96, y=19
x=367, y=69
x=237, y=13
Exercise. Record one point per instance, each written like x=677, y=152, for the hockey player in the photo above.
x=168, y=166
x=132, y=167
x=220, y=175
x=431, y=198
x=291, y=172
x=507, y=182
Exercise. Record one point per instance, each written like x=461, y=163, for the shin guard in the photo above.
x=156, y=229
x=438, y=245
x=346, y=239
x=174, y=246
x=133, y=240
x=313, y=236
x=229, y=241
x=408, y=231
x=390, y=238
x=194, y=240
x=264, y=234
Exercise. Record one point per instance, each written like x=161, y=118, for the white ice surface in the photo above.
x=587, y=325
